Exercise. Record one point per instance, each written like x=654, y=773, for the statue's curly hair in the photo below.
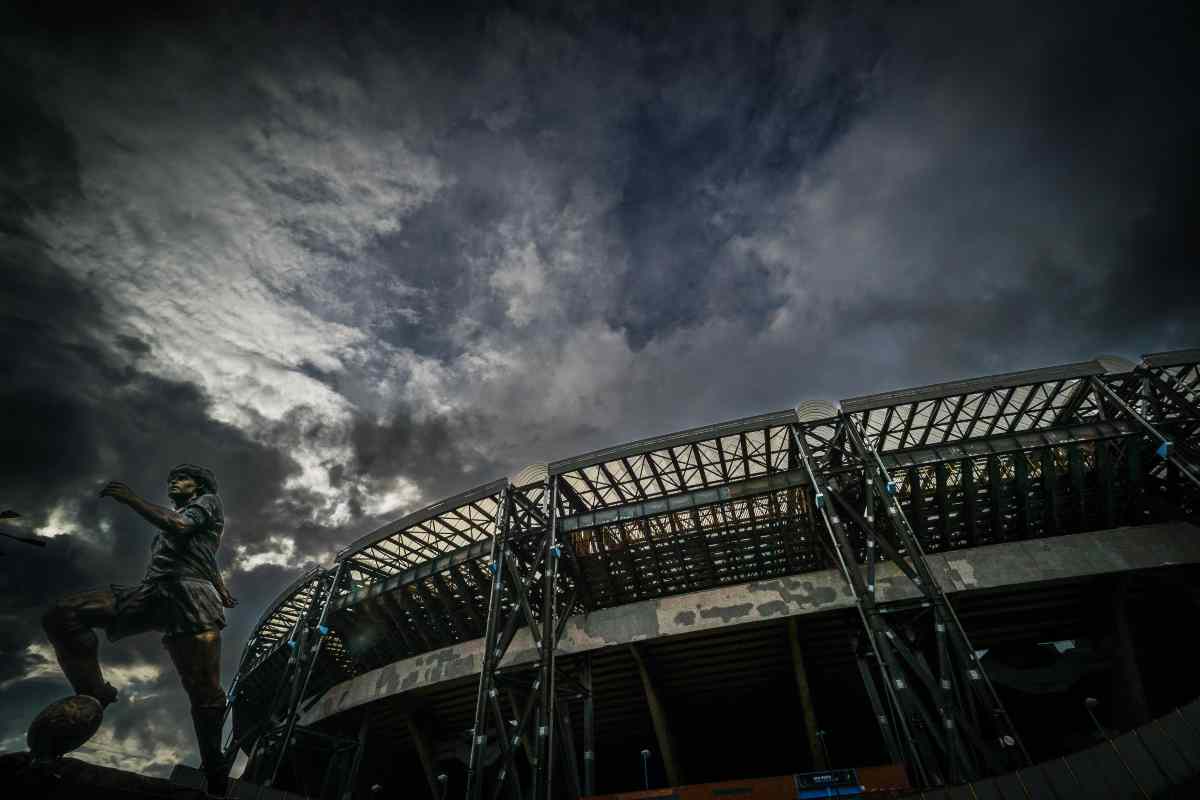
x=201, y=475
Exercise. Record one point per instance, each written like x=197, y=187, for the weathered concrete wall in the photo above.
x=990, y=567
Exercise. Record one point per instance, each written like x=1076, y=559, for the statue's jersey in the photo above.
x=194, y=554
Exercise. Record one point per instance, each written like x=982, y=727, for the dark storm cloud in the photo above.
x=77, y=410
x=76, y=413
x=738, y=109
x=1056, y=219
x=359, y=260
x=40, y=164
x=435, y=450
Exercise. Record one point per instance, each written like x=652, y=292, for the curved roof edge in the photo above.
x=1171, y=358
x=287, y=594
x=1080, y=369
x=672, y=439
x=416, y=517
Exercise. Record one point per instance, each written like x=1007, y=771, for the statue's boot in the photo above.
x=77, y=646
x=84, y=674
x=209, y=722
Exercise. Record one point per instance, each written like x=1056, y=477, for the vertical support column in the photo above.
x=970, y=498
x=1104, y=470
x=1079, y=506
x=1050, y=500
x=490, y=656
x=1130, y=689
x=1135, y=482
x=589, y=729
x=793, y=510
x=359, y=753
x=418, y=729
x=916, y=503
x=527, y=557
x=517, y=700
x=658, y=716
x=550, y=550
x=567, y=748
x=895, y=752
x=1021, y=470
x=954, y=644
x=942, y=494
x=806, y=702
x=231, y=745
x=306, y=655
x=899, y=693
x=1174, y=495
x=996, y=499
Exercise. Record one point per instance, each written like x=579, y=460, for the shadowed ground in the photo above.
x=71, y=778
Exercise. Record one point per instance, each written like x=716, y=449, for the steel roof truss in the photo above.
x=613, y=482
x=697, y=465
x=939, y=753
x=999, y=415
x=449, y=619
x=885, y=428
x=637, y=476
x=931, y=420
x=658, y=481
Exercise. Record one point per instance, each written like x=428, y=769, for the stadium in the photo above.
x=981, y=584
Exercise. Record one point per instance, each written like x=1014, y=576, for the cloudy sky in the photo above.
x=359, y=260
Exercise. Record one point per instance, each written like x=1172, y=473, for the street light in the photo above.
x=645, y=769
x=8, y=514
x=824, y=749
x=1090, y=703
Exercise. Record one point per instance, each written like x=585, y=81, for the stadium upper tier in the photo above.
x=974, y=462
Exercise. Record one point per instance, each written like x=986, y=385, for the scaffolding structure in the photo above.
x=852, y=486
x=536, y=583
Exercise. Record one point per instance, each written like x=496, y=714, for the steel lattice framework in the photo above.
x=881, y=478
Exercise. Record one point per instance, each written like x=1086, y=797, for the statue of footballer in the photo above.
x=182, y=596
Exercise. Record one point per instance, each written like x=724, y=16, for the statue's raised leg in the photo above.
x=69, y=625
x=66, y=724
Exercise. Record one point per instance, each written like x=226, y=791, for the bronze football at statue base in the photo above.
x=63, y=726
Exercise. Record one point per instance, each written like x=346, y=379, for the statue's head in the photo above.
x=188, y=480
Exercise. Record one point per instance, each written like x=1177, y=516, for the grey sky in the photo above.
x=356, y=262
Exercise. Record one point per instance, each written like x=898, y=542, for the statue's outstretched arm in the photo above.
x=167, y=520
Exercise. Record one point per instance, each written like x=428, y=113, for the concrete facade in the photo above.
x=977, y=569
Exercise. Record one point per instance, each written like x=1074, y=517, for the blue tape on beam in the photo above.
x=1164, y=449
x=831, y=791
x=323, y=630
x=891, y=487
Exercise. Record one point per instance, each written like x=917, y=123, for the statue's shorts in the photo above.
x=175, y=606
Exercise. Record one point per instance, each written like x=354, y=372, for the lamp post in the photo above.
x=824, y=748
x=1090, y=703
x=8, y=514
x=645, y=769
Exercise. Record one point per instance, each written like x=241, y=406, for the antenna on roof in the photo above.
x=8, y=514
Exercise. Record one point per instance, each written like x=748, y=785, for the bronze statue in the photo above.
x=182, y=595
